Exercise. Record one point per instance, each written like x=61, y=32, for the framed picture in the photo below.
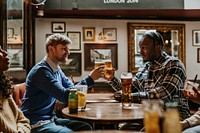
x=88, y=33
x=101, y=51
x=58, y=27
x=10, y=32
x=110, y=34
x=198, y=55
x=73, y=65
x=196, y=37
x=76, y=40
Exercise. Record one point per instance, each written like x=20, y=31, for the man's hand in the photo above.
x=58, y=106
x=195, y=97
x=97, y=73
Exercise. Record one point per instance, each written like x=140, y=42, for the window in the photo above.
x=15, y=33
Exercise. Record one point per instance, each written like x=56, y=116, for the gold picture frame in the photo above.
x=89, y=33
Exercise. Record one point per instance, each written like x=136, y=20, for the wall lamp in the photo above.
x=39, y=6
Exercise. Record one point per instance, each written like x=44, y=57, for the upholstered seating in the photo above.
x=18, y=93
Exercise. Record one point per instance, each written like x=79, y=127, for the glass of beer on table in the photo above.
x=126, y=81
x=108, y=68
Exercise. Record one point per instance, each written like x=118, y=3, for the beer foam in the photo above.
x=126, y=75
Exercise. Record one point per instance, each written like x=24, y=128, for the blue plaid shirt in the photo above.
x=166, y=76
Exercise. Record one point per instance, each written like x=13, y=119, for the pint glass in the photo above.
x=153, y=116
x=126, y=81
x=107, y=68
x=98, y=62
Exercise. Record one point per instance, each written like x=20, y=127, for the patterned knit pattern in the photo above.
x=12, y=120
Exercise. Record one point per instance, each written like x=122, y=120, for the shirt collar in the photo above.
x=53, y=66
x=160, y=59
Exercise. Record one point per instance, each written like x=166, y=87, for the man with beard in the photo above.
x=47, y=83
x=160, y=73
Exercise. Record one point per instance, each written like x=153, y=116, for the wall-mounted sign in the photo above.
x=114, y=4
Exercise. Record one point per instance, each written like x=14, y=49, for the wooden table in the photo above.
x=108, y=131
x=106, y=111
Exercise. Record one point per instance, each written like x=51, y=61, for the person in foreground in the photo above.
x=46, y=83
x=161, y=73
x=192, y=124
x=12, y=120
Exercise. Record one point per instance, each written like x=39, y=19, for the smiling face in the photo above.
x=59, y=53
x=148, y=49
x=4, y=61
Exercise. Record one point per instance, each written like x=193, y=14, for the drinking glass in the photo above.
x=108, y=68
x=126, y=81
x=189, y=85
x=153, y=115
x=82, y=92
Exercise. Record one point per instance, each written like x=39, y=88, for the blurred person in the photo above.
x=192, y=124
x=160, y=73
x=46, y=83
x=12, y=120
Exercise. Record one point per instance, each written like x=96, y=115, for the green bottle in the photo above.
x=73, y=101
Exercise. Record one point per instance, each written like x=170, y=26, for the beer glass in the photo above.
x=107, y=68
x=126, y=81
x=82, y=92
x=98, y=62
x=153, y=116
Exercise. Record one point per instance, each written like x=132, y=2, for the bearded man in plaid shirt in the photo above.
x=161, y=73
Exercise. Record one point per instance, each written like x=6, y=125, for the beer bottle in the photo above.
x=73, y=101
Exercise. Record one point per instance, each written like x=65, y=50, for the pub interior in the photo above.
x=95, y=26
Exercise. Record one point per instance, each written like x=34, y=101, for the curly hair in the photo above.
x=6, y=85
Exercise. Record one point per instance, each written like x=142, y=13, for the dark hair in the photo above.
x=6, y=85
x=56, y=39
x=155, y=37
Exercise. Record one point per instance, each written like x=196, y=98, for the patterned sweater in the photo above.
x=194, y=119
x=12, y=120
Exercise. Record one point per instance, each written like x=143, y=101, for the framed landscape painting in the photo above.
x=101, y=51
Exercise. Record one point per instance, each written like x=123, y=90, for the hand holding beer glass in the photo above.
x=126, y=81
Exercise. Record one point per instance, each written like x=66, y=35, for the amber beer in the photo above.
x=98, y=63
x=126, y=81
x=107, y=68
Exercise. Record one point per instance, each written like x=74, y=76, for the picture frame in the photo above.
x=89, y=33
x=75, y=37
x=10, y=32
x=96, y=50
x=110, y=34
x=73, y=66
x=198, y=55
x=58, y=27
x=196, y=37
